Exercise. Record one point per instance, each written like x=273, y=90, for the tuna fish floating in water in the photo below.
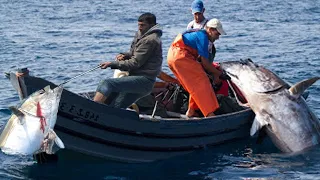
x=30, y=128
x=280, y=109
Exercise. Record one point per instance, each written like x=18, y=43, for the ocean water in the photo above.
x=59, y=39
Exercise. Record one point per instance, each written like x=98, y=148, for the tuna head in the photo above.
x=250, y=76
x=31, y=122
x=289, y=122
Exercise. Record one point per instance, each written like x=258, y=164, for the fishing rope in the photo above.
x=80, y=75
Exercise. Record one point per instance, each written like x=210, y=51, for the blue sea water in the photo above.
x=59, y=39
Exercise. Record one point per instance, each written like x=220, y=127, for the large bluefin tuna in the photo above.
x=30, y=127
x=279, y=108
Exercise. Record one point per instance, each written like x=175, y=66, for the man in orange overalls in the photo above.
x=183, y=56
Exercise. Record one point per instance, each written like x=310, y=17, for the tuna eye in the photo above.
x=41, y=91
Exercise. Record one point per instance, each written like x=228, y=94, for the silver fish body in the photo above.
x=29, y=127
x=290, y=123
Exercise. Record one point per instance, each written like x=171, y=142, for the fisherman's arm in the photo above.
x=142, y=53
x=127, y=55
x=167, y=78
x=203, y=51
x=211, y=69
x=123, y=56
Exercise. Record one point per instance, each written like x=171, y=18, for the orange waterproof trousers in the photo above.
x=190, y=73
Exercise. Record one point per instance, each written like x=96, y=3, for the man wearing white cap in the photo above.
x=184, y=53
x=215, y=25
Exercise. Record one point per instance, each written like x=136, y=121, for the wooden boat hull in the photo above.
x=118, y=134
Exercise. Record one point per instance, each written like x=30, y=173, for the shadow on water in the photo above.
x=197, y=165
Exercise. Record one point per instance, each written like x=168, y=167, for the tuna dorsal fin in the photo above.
x=298, y=89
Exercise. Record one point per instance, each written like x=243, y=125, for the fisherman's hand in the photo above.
x=120, y=57
x=104, y=65
x=217, y=80
x=225, y=76
x=20, y=74
x=175, y=81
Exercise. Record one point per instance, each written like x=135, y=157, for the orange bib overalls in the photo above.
x=190, y=73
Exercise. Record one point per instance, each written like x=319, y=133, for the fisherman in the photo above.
x=184, y=53
x=199, y=22
x=197, y=10
x=143, y=63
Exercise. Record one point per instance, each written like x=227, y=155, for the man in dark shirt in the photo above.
x=143, y=63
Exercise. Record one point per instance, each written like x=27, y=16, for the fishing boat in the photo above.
x=130, y=136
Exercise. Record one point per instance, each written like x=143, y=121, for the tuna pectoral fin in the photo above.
x=57, y=140
x=297, y=89
x=257, y=125
x=18, y=113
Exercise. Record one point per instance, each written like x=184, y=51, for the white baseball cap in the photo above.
x=215, y=23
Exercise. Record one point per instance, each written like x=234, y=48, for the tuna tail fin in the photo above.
x=298, y=89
